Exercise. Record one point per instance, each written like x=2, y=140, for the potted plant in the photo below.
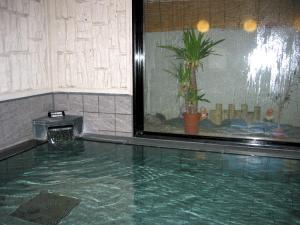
x=195, y=48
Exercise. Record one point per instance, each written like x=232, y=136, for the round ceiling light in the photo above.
x=250, y=25
x=203, y=26
x=297, y=23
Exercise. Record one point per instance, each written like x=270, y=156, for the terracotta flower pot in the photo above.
x=191, y=123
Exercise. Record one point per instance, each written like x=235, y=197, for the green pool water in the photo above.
x=125, y=184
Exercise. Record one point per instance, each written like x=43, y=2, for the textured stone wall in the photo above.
x=23, y=48
x=65, y=45
x=16, y=116
x=91, y=45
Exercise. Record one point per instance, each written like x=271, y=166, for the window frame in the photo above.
x=138, y=58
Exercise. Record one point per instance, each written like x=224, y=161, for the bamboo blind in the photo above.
x=179, y=14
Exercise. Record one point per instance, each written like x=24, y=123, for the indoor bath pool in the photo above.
x=125, y=184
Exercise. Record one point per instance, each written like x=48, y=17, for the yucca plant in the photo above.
x=183, y=76
x=195, y=48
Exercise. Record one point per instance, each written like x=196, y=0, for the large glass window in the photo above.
x=222, y=68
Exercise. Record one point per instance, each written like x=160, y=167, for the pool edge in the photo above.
x=19, y=148
x=218, y=147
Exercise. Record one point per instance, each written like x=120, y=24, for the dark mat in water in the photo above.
x=46, y=208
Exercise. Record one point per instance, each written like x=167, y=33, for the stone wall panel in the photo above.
x=19, y=71
x=24, y=41
x=70, y=35
x=3, y=4
x=12, y=32
x=122, y=69
x=36, y=19
x=84, y=11
x=61, y=35
x=61, y=70
x=22, y=34
x=98, y=35
x=121, y=5
x=83, y=30
x=61, y=9
x=122, y=34
x=2, y=50
x=4, y=74
x=70, y=69
x=100, y=12
x=103, y=25
x=19, y=6
x=4, y=21
x=1, y=45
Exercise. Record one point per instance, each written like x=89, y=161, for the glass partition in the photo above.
x=222, y=68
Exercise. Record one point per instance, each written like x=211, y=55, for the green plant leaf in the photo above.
x=195, y=48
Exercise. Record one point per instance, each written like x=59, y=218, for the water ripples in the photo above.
x=157, y=186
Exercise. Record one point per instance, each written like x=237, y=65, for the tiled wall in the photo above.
x=103, y=114
x=16, y=116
